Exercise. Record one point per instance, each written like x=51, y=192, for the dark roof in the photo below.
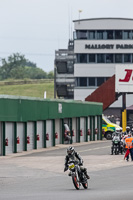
x=110, y=18
x=130, y=107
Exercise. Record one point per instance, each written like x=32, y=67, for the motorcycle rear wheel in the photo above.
x=76, y=184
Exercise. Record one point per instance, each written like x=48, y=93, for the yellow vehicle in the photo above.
x=108, y=127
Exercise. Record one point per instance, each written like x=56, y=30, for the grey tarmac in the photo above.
x=38, y=174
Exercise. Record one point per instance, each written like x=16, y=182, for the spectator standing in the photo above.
x=129, y=145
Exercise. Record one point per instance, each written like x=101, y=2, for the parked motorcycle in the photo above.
x=78, y=177
x=115, y=146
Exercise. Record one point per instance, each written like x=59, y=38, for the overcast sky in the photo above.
x=36, y=28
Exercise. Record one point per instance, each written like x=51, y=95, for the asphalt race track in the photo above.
x=38, y=175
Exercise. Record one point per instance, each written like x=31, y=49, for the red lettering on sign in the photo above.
x=127, y=77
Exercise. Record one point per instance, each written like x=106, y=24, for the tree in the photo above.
x=12, y=62
x=30, y=64
x=51, y=75
x=18, y=73
x=18, y=67
x=35, y=73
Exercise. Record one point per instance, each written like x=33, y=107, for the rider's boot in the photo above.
x=87, y=176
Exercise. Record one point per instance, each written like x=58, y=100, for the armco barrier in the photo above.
x=33, y=123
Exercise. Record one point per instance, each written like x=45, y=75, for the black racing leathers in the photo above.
x=75, y=157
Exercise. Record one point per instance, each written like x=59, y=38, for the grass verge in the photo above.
x=30, y=90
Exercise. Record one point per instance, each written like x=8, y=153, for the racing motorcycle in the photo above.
x=78, y=177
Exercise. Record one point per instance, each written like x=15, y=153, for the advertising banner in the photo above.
x=124, y=78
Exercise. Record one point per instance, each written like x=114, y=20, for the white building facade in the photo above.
x=99, y=45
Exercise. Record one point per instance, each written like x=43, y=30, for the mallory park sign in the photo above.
x=108, y=46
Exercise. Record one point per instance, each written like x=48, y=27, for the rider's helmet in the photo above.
x=70, y=151
x=127, y=129
x=118, y=130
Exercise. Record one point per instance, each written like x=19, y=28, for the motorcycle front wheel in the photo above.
x=85, y=185
x=75, y=182
x=115, y=150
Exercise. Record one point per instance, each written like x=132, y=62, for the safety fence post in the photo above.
x=93, y=128
x=63, y=131
x=53, y=132
x=25, y=131
x=78, y=132
x=35, y=134
x=86, y=128
x=44, y=132
x=124, y=112
x=15, y=137
x=98, y=127
x=101, y=127
x=4, y=130
x=71, y=141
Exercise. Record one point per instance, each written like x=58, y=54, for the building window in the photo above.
x=82, y=58
x=131, y=35
x=92, y=35
x=82, y=34
x=109, y=58
x=77, y=82
x=103, y=34
x=118, y=58
x=110, y=35
x=100, y=81
x=118, y=34
x=126, y=35
x=75, y=35
x=92, y=81
x=100, y=58
x=92, y=58
x=104, y=58
x=100, y=35
x=127, y=58
x=83, y=81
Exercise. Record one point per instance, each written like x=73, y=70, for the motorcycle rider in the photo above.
x=116, y=133
x=115, y=136
x=127, y=130
x=73, y=155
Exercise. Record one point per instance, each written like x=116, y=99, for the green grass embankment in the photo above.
x=31, y=89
